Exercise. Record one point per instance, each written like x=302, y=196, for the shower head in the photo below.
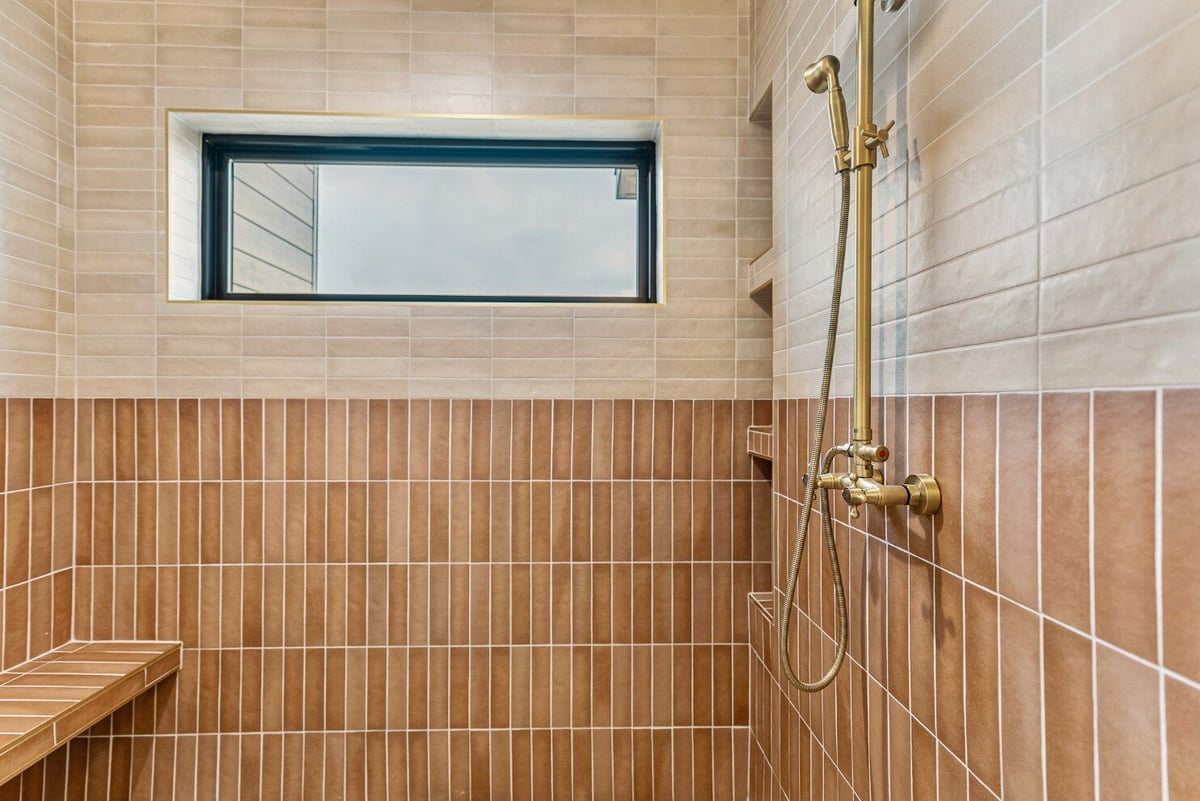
x=822, y=76
x=822, y=73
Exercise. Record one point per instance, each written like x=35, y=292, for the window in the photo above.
x=369, y=218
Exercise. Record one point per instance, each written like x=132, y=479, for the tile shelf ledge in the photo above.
x=760, y=442
x=761, y=273
x=49, y=699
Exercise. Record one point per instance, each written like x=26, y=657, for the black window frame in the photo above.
x=220, y=151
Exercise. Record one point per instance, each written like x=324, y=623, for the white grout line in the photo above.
x=1158, y=583
x=1092, y=641
x=1041, y=626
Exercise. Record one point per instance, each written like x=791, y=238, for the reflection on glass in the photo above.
x=436, y=230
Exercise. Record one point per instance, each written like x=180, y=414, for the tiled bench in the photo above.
x=48, y=700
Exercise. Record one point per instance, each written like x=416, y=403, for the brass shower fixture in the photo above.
x=863, y=482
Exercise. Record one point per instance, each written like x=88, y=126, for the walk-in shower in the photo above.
x=863, y=481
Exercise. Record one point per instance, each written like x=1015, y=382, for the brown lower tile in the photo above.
x=1068, y=713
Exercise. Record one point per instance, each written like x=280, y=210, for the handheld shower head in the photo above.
x=821, y=73
x=822, y=76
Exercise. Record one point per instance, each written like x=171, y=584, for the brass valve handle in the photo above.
x=878, y=138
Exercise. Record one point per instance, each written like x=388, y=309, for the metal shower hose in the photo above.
x=783, y=616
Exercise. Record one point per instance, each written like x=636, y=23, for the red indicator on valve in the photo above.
x=883, y=454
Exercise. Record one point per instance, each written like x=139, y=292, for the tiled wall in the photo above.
x=1029, y=233
x=36, y=196
x=37, y=496
x=679, y=60
x=1034, y=640
x=519, y=599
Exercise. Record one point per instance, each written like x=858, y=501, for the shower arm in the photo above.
x=864, y=483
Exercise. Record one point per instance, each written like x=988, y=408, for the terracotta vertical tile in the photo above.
x=1126, y=595
x=315, y=432
x=1066, y=420
x=922, y=631
x=460, y=678
x=680, y=521
x=952, y=777
x=252, y=445
x=1180, y=600
x=601, y=444
x=581, y=521
x=979, y=489
x=948, y=646
x=580, y=674
x=460, y=440
x=982, y=686
x=581, y=440
x=445, y=516
x=144, y=533
x=295, y=439
x=924, y=764
x=920, y=460
x=336, y=437
x=397, y=442
x=209, y=444
x=165, y=413
x=16, y=538
x=499, y=432
x=520, y=443
x=947, y=468
x=561, y=420
x=618, y=434
x=1127, y=725
x=900, y=753
x=418, y=698
x=439, y=603
x=124, y=438
x=1068, y=713
x=232, y=440
x=683, y=430
x=742, y=418
x=480, y=761
x=894, y=434
x=104, y=449
x=82, y=443
x=358, y=439
x=41, y=531
x=642, y=438
x=418, y=765
x=1183, y=746
x=663, y=444
x=701, y=447
x=642, y=765
x=723, y=438
x=418, y=521
x=1017, y=510
x=541, y=437
x=897, y=612
x=18, y=437
x=42, y=442
x=522, y=765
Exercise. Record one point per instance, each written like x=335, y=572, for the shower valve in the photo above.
x=870, y=138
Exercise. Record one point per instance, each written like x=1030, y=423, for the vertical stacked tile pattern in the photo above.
x=417, y=599
x=1046, y=614
x=36, y=197
x=678, y=61
x=1028, y=643
x=38, y=500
